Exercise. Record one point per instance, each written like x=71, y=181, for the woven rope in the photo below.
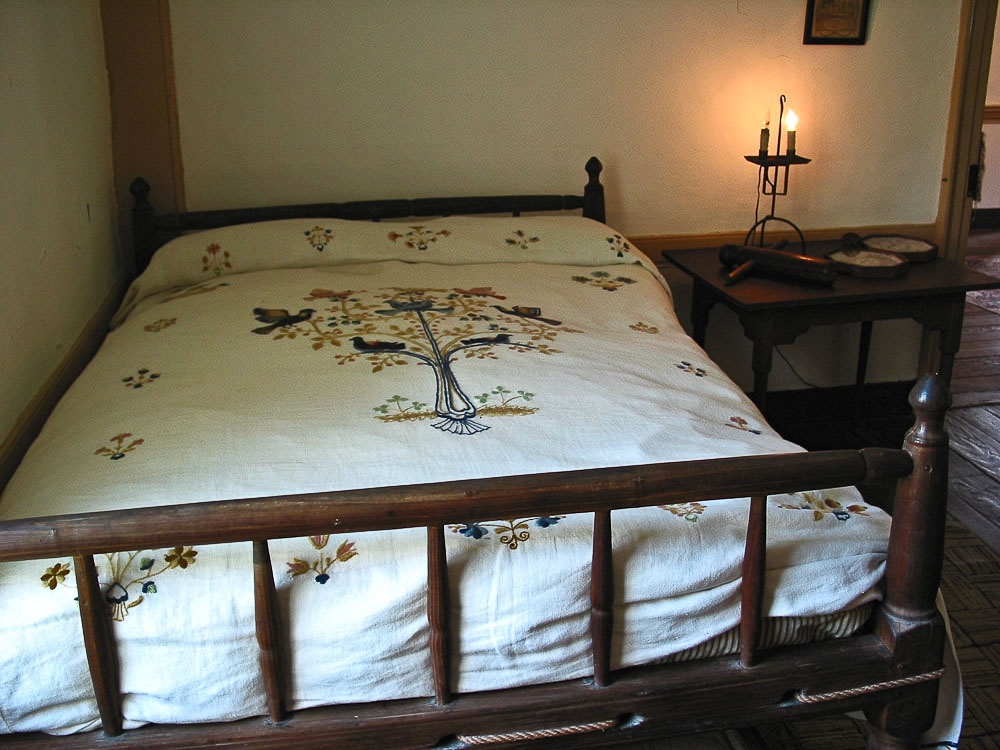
x=493, y=739
x=802, y=697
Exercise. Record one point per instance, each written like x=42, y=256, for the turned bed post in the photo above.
x=593, y=192
x=908, y=621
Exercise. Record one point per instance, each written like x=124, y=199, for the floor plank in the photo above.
x=975, y=435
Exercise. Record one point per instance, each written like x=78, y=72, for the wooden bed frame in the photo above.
x=890, y=671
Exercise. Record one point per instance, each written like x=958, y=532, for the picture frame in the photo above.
x=836, y=21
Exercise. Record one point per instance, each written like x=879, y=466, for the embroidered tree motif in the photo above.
x=435, y=327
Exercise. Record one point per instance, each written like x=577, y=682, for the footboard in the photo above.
x=890, y=672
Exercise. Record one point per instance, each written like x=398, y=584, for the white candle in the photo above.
x=791, y=122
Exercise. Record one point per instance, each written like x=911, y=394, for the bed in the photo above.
x=410, y=474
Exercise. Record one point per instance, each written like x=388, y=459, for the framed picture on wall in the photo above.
x=836, y=21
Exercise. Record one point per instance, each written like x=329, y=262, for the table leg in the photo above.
x=864, y=348
x=951, y=337
x=763, y=349
x=701, y=304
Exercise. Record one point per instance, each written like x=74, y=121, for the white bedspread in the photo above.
x=306, y=356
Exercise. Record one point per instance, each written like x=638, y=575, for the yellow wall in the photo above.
x=291, y=100
x=58, y=257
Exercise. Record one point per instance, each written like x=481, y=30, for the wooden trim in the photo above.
x=653, y=244
x=29, y=424
x=991, y=114
x=144, y=122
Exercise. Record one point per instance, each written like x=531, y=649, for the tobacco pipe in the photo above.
x=774, y=261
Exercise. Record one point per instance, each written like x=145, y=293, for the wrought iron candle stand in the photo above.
x=774, y=170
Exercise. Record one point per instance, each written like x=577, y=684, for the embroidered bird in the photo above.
x=376, y=346
x=500, y=338
x=278, y=318
x=532, y=313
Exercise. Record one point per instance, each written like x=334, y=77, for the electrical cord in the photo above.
x=792, y=368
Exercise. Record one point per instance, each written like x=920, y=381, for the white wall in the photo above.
x=304, y=100
x=57, y=217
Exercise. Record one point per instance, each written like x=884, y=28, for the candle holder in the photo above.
x=774, y=180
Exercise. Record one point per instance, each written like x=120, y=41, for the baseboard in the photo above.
x=30, y=422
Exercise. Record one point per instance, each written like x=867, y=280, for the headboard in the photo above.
x=150, y=230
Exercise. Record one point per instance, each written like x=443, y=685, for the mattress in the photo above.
x=306, y=356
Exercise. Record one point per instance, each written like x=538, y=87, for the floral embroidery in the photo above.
x=739, y=423
x=687, y=367
x=419, y=237
x=159, y=325
x=644, y=328
x=687, y=511
x=400, y=409
x=603, y=280
x=141, y=378
x=319, y=237
x=619, y=245
x=393, y=410
x=55, y=575
x=510, y=533
x=212, y=261
x=823, y=506
x=119, y=449
x=193, y=290
x=435, y=327
x=322, y=563
x=125, y=571
x=521, y=240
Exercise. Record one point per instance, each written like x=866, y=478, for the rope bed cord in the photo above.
x=802, y=697
x=494, y=739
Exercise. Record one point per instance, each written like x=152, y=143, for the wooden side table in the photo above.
x=774, y=312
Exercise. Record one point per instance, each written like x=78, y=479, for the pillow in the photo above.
x=201, y=257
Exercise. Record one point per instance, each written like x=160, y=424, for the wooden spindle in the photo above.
x=99, y=641
x=752, y=590
x=439, y=613
x=270, y=636
x=602, y=597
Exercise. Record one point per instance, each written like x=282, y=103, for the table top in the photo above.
x=935, y=277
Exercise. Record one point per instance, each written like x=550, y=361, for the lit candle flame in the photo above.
x=791, y=120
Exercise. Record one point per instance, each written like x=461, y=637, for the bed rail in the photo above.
x=909, y=631
x=150, y=230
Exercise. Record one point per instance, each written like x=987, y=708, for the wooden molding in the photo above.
x=653, y=244
x=991, y=113
x=29, y=424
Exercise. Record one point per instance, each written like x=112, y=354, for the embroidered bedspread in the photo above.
x=303, y=356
